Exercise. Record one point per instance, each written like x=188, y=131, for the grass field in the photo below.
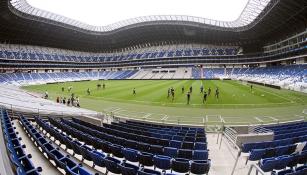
x=237, y=102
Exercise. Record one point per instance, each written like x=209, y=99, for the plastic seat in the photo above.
x=185, y=153
x=130, y=154
x=85, y=151
x=162, y=162
x=143, y=147
x=180, y=165
x=128, y=169
x=148, y=172
x=256, y=154
x=146, y=159
x=170, y=152
x=112, y=165
x=283, y=172
x=98, y=158
x=187, y=145
x=200, y=155
x=267, y=164
x=117, y=150
x=175, y=144
x=200, y=166
x=156, y=149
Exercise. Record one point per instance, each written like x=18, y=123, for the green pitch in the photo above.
x=237, y=103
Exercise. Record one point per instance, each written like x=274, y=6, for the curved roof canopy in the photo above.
x=251, y=10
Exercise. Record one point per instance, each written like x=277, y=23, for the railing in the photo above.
x=257, y=168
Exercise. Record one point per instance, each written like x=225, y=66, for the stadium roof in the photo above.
x=103, y=14
x=278, y=17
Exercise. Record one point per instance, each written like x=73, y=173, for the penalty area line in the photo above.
x=258, y=119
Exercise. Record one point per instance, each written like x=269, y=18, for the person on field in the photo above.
x=69, y=88
x=98, y=86
x=251, y=87
x=191, y=89
x=188, y=97
x=58, y=99
x=134, y=91
x=201, y=89
x=217, y=93
x=46, y=94
x=209, y=91
x=63, y=89
x=103, y=86
x=173, y=93
x=168, y=93
x=205, y=97
x=88, y=91
x=182, y=89
x=68, y=102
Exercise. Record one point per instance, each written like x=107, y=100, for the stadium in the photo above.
x=147, y=89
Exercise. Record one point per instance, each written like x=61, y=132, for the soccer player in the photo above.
x=205, y=97
x=88, y=91
x=173, y=93
x=188, y=97
x=63, y=89
x=201, y=88
x=69, y=88
x=209, y=91
x=98, y=86
x=103, y=86
x=251, y=87
x=217, y=92
x=168, y=92
x=191, y=89
x=182, y=89
x=134, y=91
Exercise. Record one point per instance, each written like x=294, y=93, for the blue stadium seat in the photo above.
x=162, y=162
x=112, y=165
x=180, y=165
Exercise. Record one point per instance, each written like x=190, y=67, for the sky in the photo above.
x=105, y=12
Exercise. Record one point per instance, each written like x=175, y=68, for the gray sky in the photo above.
x=105, y=12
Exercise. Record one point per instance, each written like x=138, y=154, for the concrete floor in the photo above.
x=37, y=157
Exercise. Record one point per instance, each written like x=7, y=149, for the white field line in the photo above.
x=273, y=118
x=287, y=99
x=259, y=120
x=225, y=104
x=165, y=117
x=146, y=116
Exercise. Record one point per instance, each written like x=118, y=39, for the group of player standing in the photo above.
x=171, y=93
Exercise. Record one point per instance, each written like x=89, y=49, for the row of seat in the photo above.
x=290, y=135
x=287, y=126
x=188, y=139
x=142, y=132
x=116, y=166
x=116, y=144
x=153, y=132
x=285, y=131
x=257, y=154
x=21, y=161
x=132, y=140
x=153, y=127
x=281, y=162
x=247, y=147
x=53, y=153
x=302, y=170
x=201, y=130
